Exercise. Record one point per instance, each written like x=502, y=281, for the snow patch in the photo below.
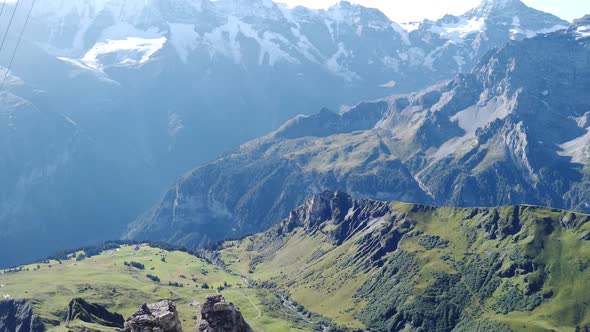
x=583, y=32
x=517, y=31
x=184, y=38
x=457, y=32
x=403, y=33
x=224, y=40
x=175, y=124
x=127, y=52
x=460, y=60
x=123, y=30
x=389, y=85
x=583, y=121
x=578, y=149
x=333, y=64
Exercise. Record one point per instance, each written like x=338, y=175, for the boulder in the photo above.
x=217, y=315
x=157, y=317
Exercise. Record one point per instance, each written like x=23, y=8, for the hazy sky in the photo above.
x=414, y=10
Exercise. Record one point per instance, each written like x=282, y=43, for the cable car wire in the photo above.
x=9, y=25
x=20, y=37
x=2, y=10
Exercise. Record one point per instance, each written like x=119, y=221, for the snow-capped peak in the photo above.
x=492, y=7
x=497, y=4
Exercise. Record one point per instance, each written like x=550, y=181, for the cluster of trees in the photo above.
x=13, y=270
x=153, y=278
x=136, y=265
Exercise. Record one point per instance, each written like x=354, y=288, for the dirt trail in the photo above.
x=254, y=305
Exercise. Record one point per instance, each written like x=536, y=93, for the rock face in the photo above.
x=514, y=131
x=220, y=316
x=157, y=317
x=18, y=316
x=79, y=309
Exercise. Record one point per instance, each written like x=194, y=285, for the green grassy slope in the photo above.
x=390, y=266
x=106, y=280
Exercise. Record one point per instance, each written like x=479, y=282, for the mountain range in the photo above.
x=150, y=89
x=513, y=131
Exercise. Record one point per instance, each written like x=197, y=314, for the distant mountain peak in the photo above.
x=499, y=3
x=343, y=5
x=492, y=7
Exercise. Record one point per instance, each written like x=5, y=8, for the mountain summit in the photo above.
x=496, y=7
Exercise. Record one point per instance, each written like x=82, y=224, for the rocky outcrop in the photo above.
x=157, y=317
x=220, y=316
x=348, y=215
x=18, y=316
x=79, y=309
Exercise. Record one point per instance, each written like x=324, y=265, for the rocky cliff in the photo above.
x=157, y=317
x=79, y=309
x=18, y=316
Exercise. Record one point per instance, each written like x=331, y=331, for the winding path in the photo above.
x=254, y=305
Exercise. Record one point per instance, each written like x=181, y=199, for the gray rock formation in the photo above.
x=220, y=316
x=79, y=309
x=157, y=317
x=18, y=316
